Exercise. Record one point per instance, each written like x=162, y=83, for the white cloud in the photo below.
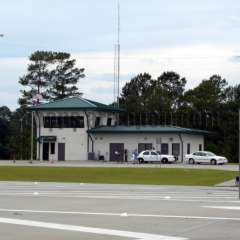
x=195, y=62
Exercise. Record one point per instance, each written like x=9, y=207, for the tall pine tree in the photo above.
x=53, y=75
x=64, y=77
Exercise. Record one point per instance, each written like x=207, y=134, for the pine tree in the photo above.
x=53, y=75
x=64, y=77
x=37, y=77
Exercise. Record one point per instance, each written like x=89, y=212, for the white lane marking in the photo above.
x=100, y=194
x=214, y=200
x=122, y=214
x=167, y=197
x=101, y=231
x=223, y=207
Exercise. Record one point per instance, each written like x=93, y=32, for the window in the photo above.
x=197, y=154
x=46, y=122
x=73, y=122
x=97, y=121
x=53, y=122
x=109, y=121
x=200, y=147
x=146, y=153
x=59, y=122
x=80, y=122
x=64, y=122
x=52, y=146
x=153, y=153
x=188, y=148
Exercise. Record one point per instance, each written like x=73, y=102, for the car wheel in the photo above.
x=213, y=162
x=140, y=160
x=164, y=160
x=191, y=161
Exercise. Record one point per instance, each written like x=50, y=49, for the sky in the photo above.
x=194, y=38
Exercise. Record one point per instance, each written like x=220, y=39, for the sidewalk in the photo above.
x=91, y=163
x=230, y=183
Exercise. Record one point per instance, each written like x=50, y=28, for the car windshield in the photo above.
x=210, y=154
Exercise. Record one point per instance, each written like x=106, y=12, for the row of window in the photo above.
x=64, y=122
x=175, y=148
x=70, y=122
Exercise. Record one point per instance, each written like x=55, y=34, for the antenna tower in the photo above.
x=117, y=60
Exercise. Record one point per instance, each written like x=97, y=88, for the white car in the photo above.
x=205, y=157
x=154, y=156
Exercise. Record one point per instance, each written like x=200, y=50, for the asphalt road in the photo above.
x=99, y=211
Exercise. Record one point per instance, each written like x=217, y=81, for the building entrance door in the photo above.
x=117, y=152
x=61, y=151
x=45, y=151
x=176, y=149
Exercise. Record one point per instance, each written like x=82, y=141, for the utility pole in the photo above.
x=31, y=160
x=239, y=154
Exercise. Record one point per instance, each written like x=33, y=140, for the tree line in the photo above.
x=212, y=105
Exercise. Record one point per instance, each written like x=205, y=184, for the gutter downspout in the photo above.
x=39, y=132
x=89, y=135
x=181, y=140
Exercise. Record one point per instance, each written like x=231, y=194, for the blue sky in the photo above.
x=194, y=38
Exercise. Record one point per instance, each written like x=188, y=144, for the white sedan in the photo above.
x=205, y=157
x=154, y=156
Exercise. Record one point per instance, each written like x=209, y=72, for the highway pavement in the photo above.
x=33, y=210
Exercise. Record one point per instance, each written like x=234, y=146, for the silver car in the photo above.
x=205, y=157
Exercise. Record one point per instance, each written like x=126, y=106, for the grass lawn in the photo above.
x=162, y=176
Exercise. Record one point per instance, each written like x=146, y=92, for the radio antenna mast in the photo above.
x=118, y=56
x=116, y=78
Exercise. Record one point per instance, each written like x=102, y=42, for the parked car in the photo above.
x=205, y=157
x=154, y=156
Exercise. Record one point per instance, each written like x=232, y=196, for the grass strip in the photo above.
x=155, y=176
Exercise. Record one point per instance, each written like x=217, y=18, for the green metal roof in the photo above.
x=147, y=129
x=74, y=103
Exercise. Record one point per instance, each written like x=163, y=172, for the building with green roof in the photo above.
x=80, y=129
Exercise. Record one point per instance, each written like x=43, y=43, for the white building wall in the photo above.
x=76, y=140
x=194, y=140
x=131, y=141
